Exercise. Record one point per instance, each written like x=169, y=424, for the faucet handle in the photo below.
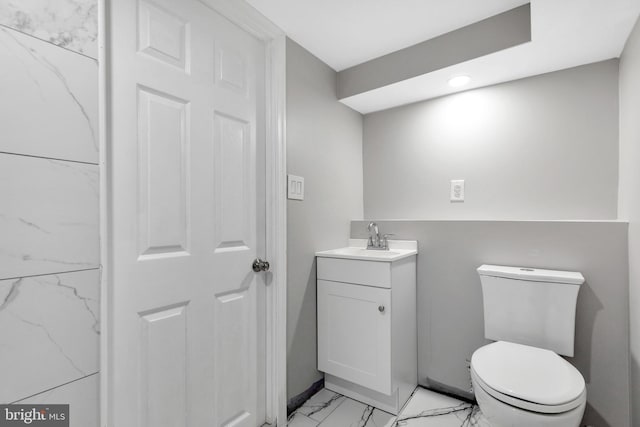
x=385, y=240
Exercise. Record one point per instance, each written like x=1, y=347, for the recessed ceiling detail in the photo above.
x=345, y=33
x=490, y=35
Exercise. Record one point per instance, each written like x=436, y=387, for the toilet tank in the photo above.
x=530, y=306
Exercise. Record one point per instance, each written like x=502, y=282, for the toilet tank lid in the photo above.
x=532, y=274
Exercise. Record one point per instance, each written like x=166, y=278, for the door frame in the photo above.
x=245, y=16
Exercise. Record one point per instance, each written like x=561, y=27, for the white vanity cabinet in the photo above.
x=367, y=324
x=354, y=333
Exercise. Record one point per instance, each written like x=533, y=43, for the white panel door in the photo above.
x=354, y=333
x=186, y=332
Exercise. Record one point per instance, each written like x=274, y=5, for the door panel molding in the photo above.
x=253, y=22
x=163, y=174
x=160, y=330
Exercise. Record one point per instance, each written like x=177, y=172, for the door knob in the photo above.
x=260, y=265
x=381, y=308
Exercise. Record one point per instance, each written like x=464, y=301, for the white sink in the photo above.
x=357, y=249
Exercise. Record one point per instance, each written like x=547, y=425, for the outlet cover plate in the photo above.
x=457, y=190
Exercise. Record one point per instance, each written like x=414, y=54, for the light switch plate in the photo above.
x=295, y=187
x=457, y=190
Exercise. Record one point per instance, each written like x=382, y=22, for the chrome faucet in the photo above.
x=374, y=236
x=375, y=242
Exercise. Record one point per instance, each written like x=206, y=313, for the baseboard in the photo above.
x=296, y=401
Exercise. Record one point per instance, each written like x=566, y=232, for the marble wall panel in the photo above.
x=48, y=216
x=71, y=24
x=50, y=332
x=49, y=102
x=82, y=398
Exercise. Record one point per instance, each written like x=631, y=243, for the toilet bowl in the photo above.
x=520, y=385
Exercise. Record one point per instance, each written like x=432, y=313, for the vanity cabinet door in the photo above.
x=354, y=333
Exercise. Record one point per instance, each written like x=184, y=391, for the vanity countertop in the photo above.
x=357, y=249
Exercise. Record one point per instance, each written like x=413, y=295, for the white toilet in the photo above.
x=520, y=380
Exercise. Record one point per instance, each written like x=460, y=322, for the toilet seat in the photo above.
x=527, y=377
x=530, y=406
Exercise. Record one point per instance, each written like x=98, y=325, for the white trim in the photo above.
x=105, y=203
x=243, y=15
x=277, y=233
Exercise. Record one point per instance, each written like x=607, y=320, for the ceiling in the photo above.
x=344, y=33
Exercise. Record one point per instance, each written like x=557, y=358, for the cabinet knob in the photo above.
x=381, y=308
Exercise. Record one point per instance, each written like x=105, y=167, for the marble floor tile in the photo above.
x=49, y=102
x=351, y=413
x=425, y=408
x=298, y=420
x=72, y=24
x=49, y=219
x=380, y=419
x=82, y=398
x=50, y=332
x=429, y=409
x=321, y=404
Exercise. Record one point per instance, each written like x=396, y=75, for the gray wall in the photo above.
x=544, y=147
x=324, y=145
x=450, y=312
x=630, y=195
